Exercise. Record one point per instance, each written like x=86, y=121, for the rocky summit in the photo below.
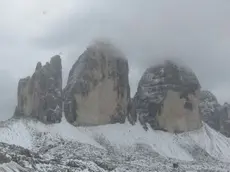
x=40, y=96
x=214, y=114
x=167, y=99
x=97, y=91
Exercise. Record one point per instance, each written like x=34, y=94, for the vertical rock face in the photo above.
x=210, y=109
x=167, y=99
x=225, y=120
x=40, y=96
x=215, y=115
x=97, y=90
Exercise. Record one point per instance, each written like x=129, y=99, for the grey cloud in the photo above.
x=18, y=60
x=20, y=23
x=196, y=32
x=8, y=95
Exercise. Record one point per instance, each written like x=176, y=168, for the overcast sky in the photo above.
x=194, y=31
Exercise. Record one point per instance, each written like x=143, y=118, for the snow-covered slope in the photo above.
x=201, y=147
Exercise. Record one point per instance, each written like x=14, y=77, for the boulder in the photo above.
x=40, y=96
x=97, y=90
x=167, y=99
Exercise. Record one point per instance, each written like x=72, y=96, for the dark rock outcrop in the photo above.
x=210, y=109
x=97, y=90
x=225, y=120
x=214, y=114
x=4, y=158
x=167, y=98
x=40, y=96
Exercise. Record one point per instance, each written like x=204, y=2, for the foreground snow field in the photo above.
x=114, y=147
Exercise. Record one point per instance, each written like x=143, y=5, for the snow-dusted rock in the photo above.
x=214, y=114
x=210, y=109
x=40, y=96
x=167, y=98
x=108, y=148
x=97, y=90
x=225, y=120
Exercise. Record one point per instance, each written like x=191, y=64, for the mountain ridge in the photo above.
x=94, y=125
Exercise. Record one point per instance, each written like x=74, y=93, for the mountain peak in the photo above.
x=163, y=87
x=106, y=47
x=97, y=90
x=39, y=96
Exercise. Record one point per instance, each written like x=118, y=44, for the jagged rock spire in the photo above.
x=40, y=96
x=97, y=90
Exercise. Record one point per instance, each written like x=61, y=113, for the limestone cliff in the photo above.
x=97, y=90
x=40, y=96
x=210, y=109
x=214, y=114
x=167, y=98
x=225, y=120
